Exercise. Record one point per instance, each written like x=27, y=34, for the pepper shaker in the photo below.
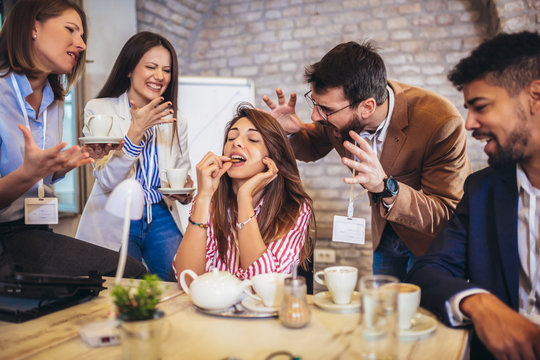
x=294, y=312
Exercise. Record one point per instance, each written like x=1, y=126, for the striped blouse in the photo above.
x=278, y=257
x=149, y=178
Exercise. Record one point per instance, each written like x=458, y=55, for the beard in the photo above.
x=355, y=125
x=513, y=151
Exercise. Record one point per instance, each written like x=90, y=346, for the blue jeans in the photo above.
x=156, y=242
x=392, y=256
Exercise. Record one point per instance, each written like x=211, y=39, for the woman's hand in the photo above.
x=149, y=115
x=209, y=170
x=258, y=182
x=184, y=198
x=98, y=151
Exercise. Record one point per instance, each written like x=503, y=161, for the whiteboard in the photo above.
x=208, y=104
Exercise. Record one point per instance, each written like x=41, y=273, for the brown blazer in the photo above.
x=424, y=150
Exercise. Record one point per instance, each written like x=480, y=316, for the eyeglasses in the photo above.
x=312, y=104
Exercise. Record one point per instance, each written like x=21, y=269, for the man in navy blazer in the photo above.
x=483, y=267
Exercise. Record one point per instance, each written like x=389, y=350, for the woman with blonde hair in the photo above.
x=251, y=214
x=42, y=54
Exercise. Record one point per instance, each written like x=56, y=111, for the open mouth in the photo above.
x=156, y=87
x=237, y=159
x=73, y=55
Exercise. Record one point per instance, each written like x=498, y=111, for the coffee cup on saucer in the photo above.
x=340, y=281
x=408, y=303
x=99, y=125
x=174, y=178
x=268, y=288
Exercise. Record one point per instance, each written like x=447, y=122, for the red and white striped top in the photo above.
x=278, y=257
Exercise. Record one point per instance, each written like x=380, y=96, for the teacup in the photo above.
x=340, y=281
x=175, y=178
x=99, y=125
x=269, y=288
x=408, y=302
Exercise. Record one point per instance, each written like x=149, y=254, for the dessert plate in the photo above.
x=422, y=326
x=257, y=306
x=325, y=302
x=100, y=140
x=169, y=191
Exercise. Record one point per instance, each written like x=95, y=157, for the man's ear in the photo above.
x=533, y=91
x=368, y=108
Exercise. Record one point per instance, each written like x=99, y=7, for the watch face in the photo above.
x=392, y=185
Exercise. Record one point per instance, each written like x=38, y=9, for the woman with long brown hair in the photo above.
x=141, y=96
x=251, y=214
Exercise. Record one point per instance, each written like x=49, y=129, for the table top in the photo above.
x=193, y=335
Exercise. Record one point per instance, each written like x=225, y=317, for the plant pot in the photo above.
x=142, y=339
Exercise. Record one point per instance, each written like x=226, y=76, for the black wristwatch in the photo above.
x=391, y=188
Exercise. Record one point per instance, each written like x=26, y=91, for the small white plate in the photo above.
x=100, y=140
x=258, y=306
x=169, y=191
x=324, y=301
x=422, y=326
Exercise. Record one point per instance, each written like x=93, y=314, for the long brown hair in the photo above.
x=283, y=197
x=16, y=50
x=139, y=44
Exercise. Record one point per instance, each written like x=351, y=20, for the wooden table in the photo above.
x=198, y=336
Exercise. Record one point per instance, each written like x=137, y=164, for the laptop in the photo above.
x=25, y=296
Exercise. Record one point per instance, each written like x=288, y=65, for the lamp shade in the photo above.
x=127, y=189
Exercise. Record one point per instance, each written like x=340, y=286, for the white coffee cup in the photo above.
x=408, y=303
x=269, y=288
x=174, y=178
x=340, y=281
x=99, y=125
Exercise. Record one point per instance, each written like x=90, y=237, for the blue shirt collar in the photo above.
x=26, y=89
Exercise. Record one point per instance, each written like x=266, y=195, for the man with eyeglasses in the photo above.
x=405, y=145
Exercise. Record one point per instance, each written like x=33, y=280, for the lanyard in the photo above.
x=41, y=190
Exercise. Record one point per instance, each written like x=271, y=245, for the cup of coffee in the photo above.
x=408, y=302
x=99, y=125
x=174, y=178
x=269, y=288
x=340, y=281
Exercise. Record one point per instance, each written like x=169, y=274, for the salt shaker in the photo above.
x=294, y=312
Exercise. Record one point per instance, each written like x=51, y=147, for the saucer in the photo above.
x=169, y=191
x=100, y=140
x=258, y=306
x=324, y=301
x=422, y=326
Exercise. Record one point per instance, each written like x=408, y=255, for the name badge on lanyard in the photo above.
x=348, y=228
x=40, y=210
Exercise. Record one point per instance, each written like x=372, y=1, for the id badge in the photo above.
x=350, y=230
x=41, y=211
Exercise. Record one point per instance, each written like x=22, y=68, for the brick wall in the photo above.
x=272, y=41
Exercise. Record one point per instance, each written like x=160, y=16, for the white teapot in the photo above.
x=215, y=290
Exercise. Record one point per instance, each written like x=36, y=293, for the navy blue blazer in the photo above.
x=477, y=248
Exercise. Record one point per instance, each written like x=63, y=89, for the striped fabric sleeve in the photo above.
x=282, y=253
x=132, y=149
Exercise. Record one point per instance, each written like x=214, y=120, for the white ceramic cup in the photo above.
x=175, y=178
x=99, y=125
x=340, y=281
x=269, y=288
x=408, y=303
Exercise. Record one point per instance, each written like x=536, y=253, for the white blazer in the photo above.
x=97, y=226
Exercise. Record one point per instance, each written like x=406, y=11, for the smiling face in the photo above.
x=58, y=42
x=500, y=120
x=349, y=118
x=245, y=142
x=151, y=76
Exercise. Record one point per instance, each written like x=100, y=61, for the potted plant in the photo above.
x=140, y=320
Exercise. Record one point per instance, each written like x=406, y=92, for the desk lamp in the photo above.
x=127, y=201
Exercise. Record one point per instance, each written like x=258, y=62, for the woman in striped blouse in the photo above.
x=251, y=214
x=141, y=96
